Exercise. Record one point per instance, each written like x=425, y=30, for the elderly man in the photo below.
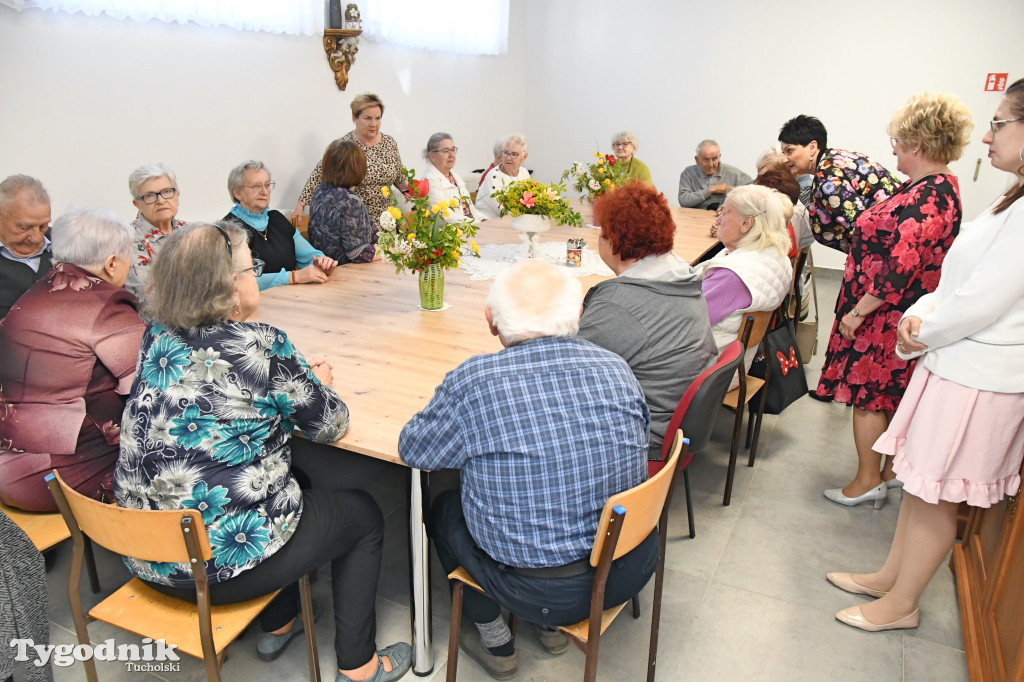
x=705, y=184
x=514, y=151
x=24, y=248
x=543, y=433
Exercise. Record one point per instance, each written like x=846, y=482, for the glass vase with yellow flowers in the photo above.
x=423, y=241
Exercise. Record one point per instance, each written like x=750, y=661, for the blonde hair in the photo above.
x=769, y=209
x=365, y=101
x=939, y=122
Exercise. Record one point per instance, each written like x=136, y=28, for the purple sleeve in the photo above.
x=725, y=293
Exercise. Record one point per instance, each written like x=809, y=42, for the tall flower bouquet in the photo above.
x=594, y=179
x=423, y=238
x=529, y=197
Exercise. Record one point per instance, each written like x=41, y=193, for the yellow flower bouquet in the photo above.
x=529, y=197
x=600, y=176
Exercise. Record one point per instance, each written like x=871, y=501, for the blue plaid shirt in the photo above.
x=544, y=432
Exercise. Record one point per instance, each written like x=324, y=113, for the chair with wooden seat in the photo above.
x=751, y=335
x=695, y=415
x=301, y=223
x=199, y=629
x=626, y=520
x=46, y=529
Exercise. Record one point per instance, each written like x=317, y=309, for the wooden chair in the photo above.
x=751, y=334
x=199, y=630
x=301, y=223
x=48, y=529
x=627, y=519
x=695, y=415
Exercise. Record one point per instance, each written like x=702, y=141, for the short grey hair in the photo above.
x=236, y=178
x=532, y=299
x=12, y=187
x=768, y=208
x=625, y=136
x=516, y=138
x=771, y=155
x=434, y=140
x=149, y=171
x=498, y=145
x=87, y=236
x=706, y=143
x=192, y=279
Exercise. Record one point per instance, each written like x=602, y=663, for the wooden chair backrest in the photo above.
x=762, y=318
x=301, y=223
x=145, y=534
x=643, y=503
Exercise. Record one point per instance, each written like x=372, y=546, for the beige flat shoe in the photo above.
x=854, y=618
x=844, y=581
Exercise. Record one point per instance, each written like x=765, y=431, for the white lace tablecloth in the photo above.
x=495, y=258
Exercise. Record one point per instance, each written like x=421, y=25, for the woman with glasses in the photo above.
x=444, y=184
x=288, y=258
x=154, y=192
x=207, y=426
x=624, y=144
x=383, y=162
x=958, y=435
x=896, y=251
x=69, y=347
x=514, y=151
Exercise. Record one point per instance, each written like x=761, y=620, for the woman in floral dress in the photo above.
x=207, y=426
x=895, y=255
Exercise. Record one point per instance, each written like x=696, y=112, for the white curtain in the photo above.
x=296, y=17
x=461, y=26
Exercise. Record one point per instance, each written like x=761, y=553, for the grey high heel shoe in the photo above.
x=876, y=495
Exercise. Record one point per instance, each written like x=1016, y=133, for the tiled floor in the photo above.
x=746, y=600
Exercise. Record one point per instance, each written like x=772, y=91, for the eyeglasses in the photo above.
x=996, y=125
x=894, y=141
x=510, y=155
x=446, y=150
x=257, y=267
x=621, y=144
x=258, y=186
x=150, y=197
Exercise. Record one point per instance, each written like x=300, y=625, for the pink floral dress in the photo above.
x=895, y=255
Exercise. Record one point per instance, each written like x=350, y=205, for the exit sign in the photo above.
x=996, y=82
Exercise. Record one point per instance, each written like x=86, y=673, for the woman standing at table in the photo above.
x=958, y=435
x=383, y=162
x=208, y=426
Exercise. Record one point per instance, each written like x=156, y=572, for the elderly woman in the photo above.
x=154, y=192
x=753, y=271
x=958, y=435
x=624, y=144
x=514, y=151
x=69, y=349
x=844, y=185
x=896, y=251
x=652, y=313
x=444, y=183
x=496, y=152
x=207, y=426
x=775, y=175
x=383, y=162
x=338, y=222
x=288, y=258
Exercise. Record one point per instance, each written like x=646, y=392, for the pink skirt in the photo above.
x=955, y=443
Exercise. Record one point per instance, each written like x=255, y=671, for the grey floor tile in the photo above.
x=927, y=662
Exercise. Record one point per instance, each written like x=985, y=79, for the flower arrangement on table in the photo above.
x=529, y=197
x=422, y=241
x=600, y=176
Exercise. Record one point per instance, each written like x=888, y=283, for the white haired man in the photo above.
x=24, y=247
x=705, y=184
x=543, y=433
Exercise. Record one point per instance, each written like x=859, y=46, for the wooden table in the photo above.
x=388, y=355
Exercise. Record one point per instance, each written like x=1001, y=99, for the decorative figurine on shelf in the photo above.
x=352, y=17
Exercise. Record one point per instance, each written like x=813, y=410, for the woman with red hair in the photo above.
x=652, y=313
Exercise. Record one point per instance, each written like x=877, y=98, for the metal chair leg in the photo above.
x=90, y=566
x=306, y=601
x=636, y=606
x=689, y=503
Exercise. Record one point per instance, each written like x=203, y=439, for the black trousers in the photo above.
x=338, y=525
x=545, y=601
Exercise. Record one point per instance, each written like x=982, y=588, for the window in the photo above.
x=461, y=26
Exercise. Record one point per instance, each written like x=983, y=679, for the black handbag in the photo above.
x=787, y=382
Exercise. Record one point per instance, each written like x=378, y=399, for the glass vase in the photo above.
x=432, y=287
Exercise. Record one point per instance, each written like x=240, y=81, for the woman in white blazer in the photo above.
x=443, y=182
x=958, y=434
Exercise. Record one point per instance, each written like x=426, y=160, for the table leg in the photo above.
x=419, y=556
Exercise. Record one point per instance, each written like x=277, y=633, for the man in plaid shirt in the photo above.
x=543, y=433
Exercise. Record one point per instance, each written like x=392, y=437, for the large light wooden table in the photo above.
x=388, y=356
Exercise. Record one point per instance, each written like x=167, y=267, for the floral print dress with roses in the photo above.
x=207, y=427
x=895, y=255
x=845, y=184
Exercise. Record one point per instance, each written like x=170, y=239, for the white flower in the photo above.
x=419, y=244
x=578, y=168
x=387, y=222
x=594, y=185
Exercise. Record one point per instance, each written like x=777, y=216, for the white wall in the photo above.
x=735, y=70
x=88, y=99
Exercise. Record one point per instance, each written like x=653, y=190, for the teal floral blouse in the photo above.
x=207, y=426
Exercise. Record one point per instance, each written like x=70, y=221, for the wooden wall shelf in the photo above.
x=341, y=46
